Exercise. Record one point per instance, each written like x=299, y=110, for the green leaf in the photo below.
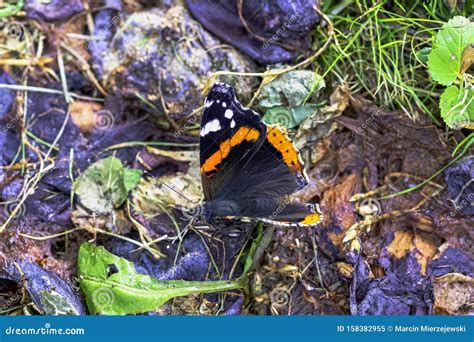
x=112, y=286
x=444, y=60
x=289, y=117
x=11, y=9
x=105, y=184
x=253, y=248
x=423, y=54
x=457, y=107
x=131, y=177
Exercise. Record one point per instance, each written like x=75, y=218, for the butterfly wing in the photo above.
x=248, y=168
x=273, y=174
x=230, y=135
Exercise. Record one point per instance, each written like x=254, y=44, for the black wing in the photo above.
x=248, y=168
x=229, y=136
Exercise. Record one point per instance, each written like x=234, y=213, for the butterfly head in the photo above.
x=220, y=93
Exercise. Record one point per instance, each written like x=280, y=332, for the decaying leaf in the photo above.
x=154, y=196
x=85, y=114
x=453, y=294
x=283, y=100
x=401, y=291
x=319, y=124
x=405, y=242
x=185, y=156
x=105, y=184
x=51, y=294
x=289, y=89
x=467, y=58
x=342, y=213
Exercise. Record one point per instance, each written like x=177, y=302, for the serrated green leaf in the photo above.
x=105, y=184
x=112, y=286
x=457, y=107
x=444, y=60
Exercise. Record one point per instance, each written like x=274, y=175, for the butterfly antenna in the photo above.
x=170, y=187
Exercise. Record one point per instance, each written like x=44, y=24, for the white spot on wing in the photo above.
x=224, y=104
x=207, y=104
x=232, y=124
x=229, y=114
x=211, y=126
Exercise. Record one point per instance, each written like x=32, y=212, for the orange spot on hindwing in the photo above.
x=242, y=134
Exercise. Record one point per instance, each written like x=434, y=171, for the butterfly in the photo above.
x=249, y=169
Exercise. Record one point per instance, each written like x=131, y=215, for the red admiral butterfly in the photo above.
x=249, y=169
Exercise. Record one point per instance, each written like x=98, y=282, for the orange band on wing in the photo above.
x=243, y=134
x=279, y=140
